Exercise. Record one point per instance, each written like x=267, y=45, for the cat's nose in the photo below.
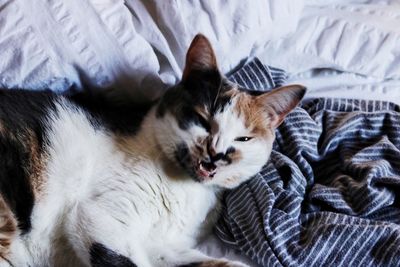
x=217, y=157
x=216, y=144
x=209, y=166
x=213, y=154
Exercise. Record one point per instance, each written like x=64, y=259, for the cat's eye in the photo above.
x=243, y=138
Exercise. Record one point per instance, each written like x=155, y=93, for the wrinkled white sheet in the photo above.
x=331, y=83
x=342, y=48
x=359, y=38
x=136, y=46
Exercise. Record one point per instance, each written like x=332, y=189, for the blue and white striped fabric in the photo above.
x=257, y=76
x=330, y=193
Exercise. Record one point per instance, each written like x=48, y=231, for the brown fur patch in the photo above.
x=8, y=228
x=279, y=102
x=35, y=165
x=235, y=156
x=214, y=263
x=202, y=110
x=265, y=112
x=255, y=117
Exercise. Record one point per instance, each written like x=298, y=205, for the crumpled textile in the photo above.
x=136, y=47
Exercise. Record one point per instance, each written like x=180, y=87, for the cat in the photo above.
x=74, y=191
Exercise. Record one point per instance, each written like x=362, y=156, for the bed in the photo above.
x=339, y=49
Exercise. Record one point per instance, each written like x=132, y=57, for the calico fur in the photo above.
x=87, y=186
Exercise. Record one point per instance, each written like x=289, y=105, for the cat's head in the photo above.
x=216, y=131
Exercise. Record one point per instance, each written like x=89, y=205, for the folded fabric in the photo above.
x=328, y=195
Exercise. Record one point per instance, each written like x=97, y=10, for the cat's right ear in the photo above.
x=279, y=102
x=200, y=56
x=201, y=62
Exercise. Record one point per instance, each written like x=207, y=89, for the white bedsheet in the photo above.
x=136, y=46
x=331, y=83
x=342, y=48
x=359, y=38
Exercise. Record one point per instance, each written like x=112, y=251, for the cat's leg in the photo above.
x=100, y=240
x=194, y=258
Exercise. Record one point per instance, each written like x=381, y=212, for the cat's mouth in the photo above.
x=200, y=170
x=205, y=170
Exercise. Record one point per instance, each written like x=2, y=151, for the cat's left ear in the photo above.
x=281, y=101
x=201, y=62
x=200, y=56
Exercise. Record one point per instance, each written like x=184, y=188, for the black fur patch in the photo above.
x=204, y=87
x=180, y=104
x=22, y=114
x=200, y=89
x=14, y=184
x=182, y=155
x=101, y=256
x=123, y=118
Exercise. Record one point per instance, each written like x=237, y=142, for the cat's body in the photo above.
x=77, y=192
x=121, y=181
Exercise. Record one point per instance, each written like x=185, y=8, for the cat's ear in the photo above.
x=281, y=101
x=200, y=56
x=201, y=65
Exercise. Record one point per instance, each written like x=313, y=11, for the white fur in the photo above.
x=116, y=191
x=255, y=152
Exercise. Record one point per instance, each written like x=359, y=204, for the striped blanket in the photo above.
x=330, y=193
